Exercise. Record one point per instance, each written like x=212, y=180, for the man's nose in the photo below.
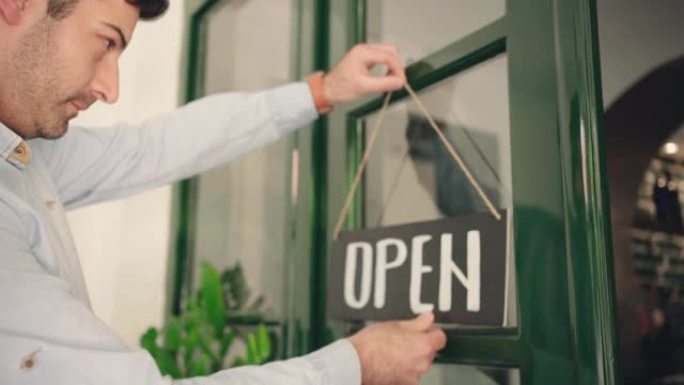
x=105, y=84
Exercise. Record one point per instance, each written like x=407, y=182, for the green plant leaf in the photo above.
x=263, y=343
x=167, y=364
x=253, y=357
x=197, y=341
x=192, y=305
x=191, y=342
x=208, y=342
x=173, y=334
x=148, y=341
x=227, y=342
x=200, y=367
x=239, y=361
x=211, y=300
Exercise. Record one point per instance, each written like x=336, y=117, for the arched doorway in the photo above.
x=637, y=125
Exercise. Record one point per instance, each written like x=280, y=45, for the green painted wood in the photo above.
x=483, y=350
x=319, y=194
x=184, y=195
x=566, y=69
x=539, y=224
x=587, y=206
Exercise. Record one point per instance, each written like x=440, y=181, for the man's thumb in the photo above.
x=421, y=323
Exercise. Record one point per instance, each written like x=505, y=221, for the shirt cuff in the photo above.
x=291, y=106
x=338, y=362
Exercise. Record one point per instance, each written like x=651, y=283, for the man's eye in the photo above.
x=110, y=44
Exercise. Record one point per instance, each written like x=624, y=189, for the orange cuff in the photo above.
x=315, y=82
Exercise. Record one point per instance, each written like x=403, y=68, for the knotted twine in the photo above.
x=371, y=141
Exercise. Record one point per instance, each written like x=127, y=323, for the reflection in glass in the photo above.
x=233, y=32
x=412, y=178
x=462, y=374
x=419, y=28
x=241, y=210
x=658, y=265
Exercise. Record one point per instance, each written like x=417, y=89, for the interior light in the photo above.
x=670, y=148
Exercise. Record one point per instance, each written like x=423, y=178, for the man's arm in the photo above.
x=35, y=362
x=94, y=165
x=47, y=336
x=91, y=165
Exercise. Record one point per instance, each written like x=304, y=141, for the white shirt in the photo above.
x=48, y=332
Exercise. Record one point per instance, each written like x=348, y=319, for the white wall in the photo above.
x=123, y=245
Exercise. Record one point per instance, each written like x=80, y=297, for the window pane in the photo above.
x=412, y=178
x=233, y=32
x=419, y=28
x=242, y=207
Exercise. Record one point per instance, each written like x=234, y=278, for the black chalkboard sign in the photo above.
x=455, y=267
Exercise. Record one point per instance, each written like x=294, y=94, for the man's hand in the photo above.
x=397, y=353
x=351, y=77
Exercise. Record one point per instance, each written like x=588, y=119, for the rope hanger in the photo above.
x=371, y=141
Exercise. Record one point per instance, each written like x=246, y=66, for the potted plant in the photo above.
x=198, y=341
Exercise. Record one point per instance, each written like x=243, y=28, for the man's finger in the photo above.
x=374, y=56
x=393, y=52
x=382, y=83
x=421, y=323
x=437, y=338
x=388, y=47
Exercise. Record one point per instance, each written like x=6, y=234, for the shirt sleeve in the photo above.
x=92, y=165
x=47, y=336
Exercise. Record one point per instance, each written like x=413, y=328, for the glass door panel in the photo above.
x=419, y=28
x=242, y=208
x=412, y=178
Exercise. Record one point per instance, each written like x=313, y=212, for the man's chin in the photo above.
x=54, y=131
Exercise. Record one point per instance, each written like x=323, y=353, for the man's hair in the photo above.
x=149, y=9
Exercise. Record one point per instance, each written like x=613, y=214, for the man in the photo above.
x=57, y=58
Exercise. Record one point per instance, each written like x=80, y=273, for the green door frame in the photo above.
x=184, y=196
x=566, y=295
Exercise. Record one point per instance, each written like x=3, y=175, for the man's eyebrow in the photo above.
x=121, y=35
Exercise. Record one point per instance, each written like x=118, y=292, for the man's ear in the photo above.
x=12, y=10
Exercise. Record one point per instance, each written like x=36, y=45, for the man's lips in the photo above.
x=75, y=107
x=79, y=106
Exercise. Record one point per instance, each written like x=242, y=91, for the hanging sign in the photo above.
x=455, y=267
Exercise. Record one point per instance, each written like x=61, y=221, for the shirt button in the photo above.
x=50, y=204
x=29, y=362
x=21, y=155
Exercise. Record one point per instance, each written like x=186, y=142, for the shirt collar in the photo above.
x=13, y=148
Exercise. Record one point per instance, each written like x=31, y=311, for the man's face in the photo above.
x=62, y=66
